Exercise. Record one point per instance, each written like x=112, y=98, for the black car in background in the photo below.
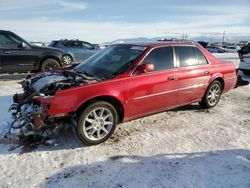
x=17, y=55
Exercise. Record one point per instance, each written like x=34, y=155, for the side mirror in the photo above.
x=145, y=67
x=23, y=45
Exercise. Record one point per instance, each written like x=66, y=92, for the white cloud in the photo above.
x=43, y=6
x=47, y=30
x=74, y=6
x=11, y=5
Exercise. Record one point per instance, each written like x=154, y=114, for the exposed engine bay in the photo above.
x=30, y=115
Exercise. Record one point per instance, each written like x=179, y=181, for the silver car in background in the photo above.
x=75, y=50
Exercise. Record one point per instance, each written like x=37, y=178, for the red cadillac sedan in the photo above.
x=125, y=82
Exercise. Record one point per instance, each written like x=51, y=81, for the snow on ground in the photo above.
x=8, y=89
x=185, y=147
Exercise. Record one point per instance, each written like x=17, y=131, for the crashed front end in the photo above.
x=30, y=110
x=31, y=118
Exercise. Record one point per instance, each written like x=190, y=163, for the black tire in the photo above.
x=90, y=136
x=50, y=64
x=67, y=59
x=209, y=101
x=246, y=72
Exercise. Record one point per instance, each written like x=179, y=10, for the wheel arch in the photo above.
x=221, y=80
x=110, y=99
x=49, y=57
x=69, y=54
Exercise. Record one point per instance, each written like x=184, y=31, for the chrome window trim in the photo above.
x=174, y=63
x=175, y=58
x=198, y=65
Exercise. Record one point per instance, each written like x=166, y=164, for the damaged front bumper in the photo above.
x=31, y=118
x=28, y=119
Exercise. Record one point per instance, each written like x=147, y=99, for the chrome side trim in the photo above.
x=152, y=95
x=170, y=91
x=24, y=64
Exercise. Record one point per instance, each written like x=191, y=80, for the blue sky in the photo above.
x=106, y=20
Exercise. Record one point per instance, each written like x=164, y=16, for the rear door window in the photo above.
x=162, y=58
x=53, y=43
x=202, y=59
x=86, y=45
x=186, y=55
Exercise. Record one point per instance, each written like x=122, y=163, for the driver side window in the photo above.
x=162, y=58
x=7, y=42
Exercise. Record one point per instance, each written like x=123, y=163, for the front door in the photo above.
x=14, y=57
x=157, y=90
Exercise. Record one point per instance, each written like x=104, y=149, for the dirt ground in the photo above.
x=184, y=147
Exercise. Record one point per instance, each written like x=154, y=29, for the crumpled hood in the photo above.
x=42, y=82
x=48, y=83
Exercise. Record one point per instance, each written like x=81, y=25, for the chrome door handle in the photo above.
x=172, y=78
x=6, y=52
x=207, y=72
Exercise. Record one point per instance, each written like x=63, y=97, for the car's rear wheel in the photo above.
x=212, y=95
x=67, y=59
x=50, y=64
x=247, y=72
x=97, y=123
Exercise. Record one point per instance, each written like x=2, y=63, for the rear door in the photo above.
x=76, y=49
x=194, y=73
x=154, y=91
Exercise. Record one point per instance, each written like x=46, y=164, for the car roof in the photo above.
x=68, y=40
x=162, y=43
x=5, y=31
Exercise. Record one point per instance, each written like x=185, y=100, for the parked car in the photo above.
x=203, y=43
x=17, y=55
x=244, y=54
x=37, y=43
x=121, y=83
x=216, y=49
x=231, y=49
x=75, y=50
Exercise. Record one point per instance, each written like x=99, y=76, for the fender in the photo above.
x=215, y=76
x=70, y=100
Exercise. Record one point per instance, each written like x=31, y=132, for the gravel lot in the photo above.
x=185, y=147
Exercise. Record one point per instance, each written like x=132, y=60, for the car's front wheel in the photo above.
x=50, y=64
x=97, y=123
x=212, y=95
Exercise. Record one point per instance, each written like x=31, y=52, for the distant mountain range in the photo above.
x=198, y=38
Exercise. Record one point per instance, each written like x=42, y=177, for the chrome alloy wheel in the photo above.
x=214, y=94
x=98, y=124
x=66, y=59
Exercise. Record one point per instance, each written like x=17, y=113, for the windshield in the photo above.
x=111, y=61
